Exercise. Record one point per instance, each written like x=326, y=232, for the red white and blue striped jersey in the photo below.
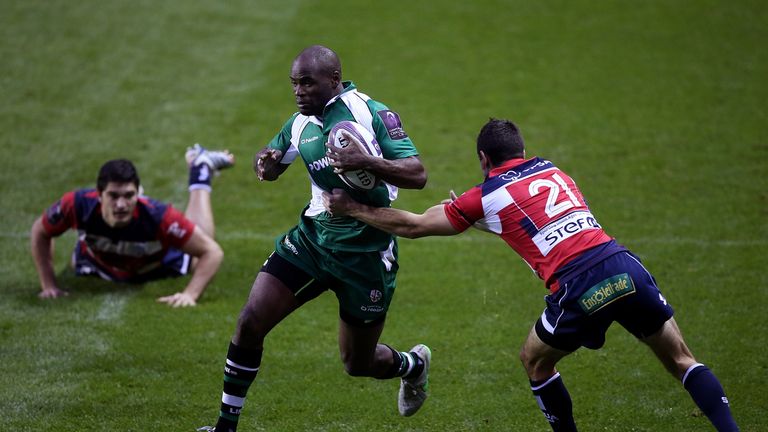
x=537, y=209
x=123, y=253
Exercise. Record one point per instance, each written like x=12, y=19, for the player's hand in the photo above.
x=265, y=161
x=452, y=198
x=53, y=292
x=337, y=203
x=349, y=158
x=180, y=299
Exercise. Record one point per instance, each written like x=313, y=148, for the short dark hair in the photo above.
x=501, y=141
x=118, y=171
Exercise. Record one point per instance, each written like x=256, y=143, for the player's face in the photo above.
x=311, y=88
x=118, y=200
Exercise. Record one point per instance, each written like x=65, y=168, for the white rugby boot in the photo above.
x=413, y=391
x=215, y=159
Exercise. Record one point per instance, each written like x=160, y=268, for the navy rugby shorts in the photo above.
x=175, y=263
x=617, y=289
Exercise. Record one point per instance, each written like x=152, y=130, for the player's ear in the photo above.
x=485, y=163
x=335, y=78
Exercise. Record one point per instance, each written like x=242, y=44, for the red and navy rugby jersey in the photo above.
x=126, y=252
x=537, y=209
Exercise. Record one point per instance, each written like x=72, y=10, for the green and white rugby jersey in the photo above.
x=306, y=136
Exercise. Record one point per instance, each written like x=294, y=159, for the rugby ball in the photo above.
x=358, y=179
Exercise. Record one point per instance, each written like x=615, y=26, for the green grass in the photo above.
x=657, y=109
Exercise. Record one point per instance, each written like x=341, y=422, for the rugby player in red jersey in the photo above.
x=593, y=281
x=126, y=237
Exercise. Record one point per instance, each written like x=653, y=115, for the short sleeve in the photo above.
x=282, y=142
x=60, y=216
x=392, y=138
x=175, y=228
x=467, y=209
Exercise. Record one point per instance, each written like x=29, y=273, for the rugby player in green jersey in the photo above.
x=355, y=261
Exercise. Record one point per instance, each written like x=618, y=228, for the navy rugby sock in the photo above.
x=555, y=402
x=239, y=372
x=709, y=395
x=200, y=177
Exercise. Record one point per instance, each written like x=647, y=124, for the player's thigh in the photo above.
x=670, y=348
x=645, y=311
x=279, y=289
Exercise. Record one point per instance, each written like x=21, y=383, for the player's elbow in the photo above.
x=38, y=235
x=420, y=179
x=212, y=256
x=217, y=253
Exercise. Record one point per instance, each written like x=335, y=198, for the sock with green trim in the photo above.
x=404, y=364
x=239, y=372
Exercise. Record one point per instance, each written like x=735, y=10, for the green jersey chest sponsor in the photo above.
x=606, y=292
x=313, y=152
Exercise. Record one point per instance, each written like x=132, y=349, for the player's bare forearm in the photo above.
x=208, y=256
x=399, y=222
x=207, y=266
x=407, y=173
x=42, y=252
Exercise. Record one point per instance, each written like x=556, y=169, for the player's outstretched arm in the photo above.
x=208, y=255
x=399, y=222
x=266, y=164
x=42, y=252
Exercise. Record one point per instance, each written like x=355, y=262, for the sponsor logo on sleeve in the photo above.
x=176, y=230
x=392, y=122
x=54, y=214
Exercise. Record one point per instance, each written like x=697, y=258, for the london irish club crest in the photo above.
x=375, y=295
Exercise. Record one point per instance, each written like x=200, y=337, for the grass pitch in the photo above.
x=656, y=108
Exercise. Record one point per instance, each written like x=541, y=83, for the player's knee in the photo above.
x=537, y=367
x=527, y=360
x=251, y=323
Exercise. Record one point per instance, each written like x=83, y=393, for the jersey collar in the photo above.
x=348, y=86
x=508, y=165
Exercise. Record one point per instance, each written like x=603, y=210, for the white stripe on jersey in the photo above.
x=493, y=203
x=297, y=128
x=355, y=101
x=316, y=202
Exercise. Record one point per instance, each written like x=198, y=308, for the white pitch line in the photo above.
x=112, y=307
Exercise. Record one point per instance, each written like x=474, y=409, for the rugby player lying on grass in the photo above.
x=126, y=237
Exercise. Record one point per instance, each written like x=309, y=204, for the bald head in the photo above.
x=316, y=79
x=319, y=59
